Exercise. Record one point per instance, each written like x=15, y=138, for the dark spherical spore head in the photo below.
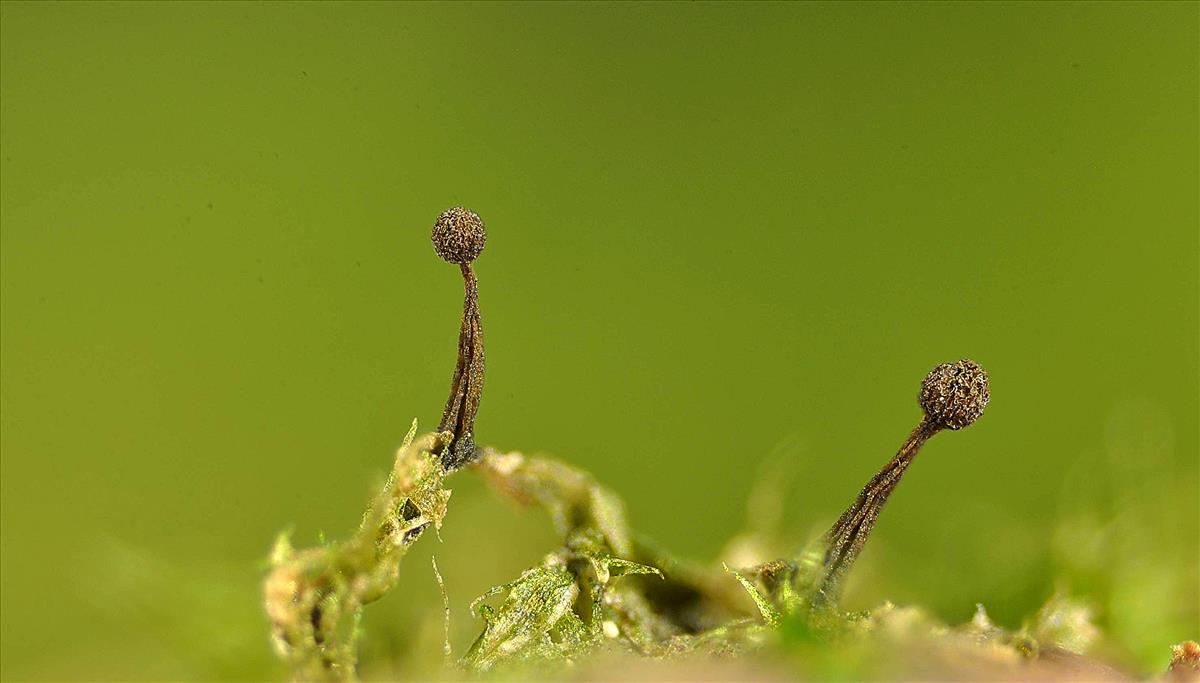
x=954, y=395
x=459, y=235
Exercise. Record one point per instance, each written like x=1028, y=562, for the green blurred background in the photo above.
x=726, y=244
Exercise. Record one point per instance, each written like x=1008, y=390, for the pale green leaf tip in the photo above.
x=769, y=614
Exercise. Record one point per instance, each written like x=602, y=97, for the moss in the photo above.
x=604, y=592
x=314, y=597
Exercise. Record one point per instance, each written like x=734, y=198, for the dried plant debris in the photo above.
x=1185, y=662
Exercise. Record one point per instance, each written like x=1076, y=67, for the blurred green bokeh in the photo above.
x=724, y=239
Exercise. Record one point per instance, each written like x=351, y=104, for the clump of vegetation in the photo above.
x=604, y=592
x=314, y=597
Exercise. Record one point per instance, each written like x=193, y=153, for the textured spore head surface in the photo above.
x=954, y=395
x=459, y=235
